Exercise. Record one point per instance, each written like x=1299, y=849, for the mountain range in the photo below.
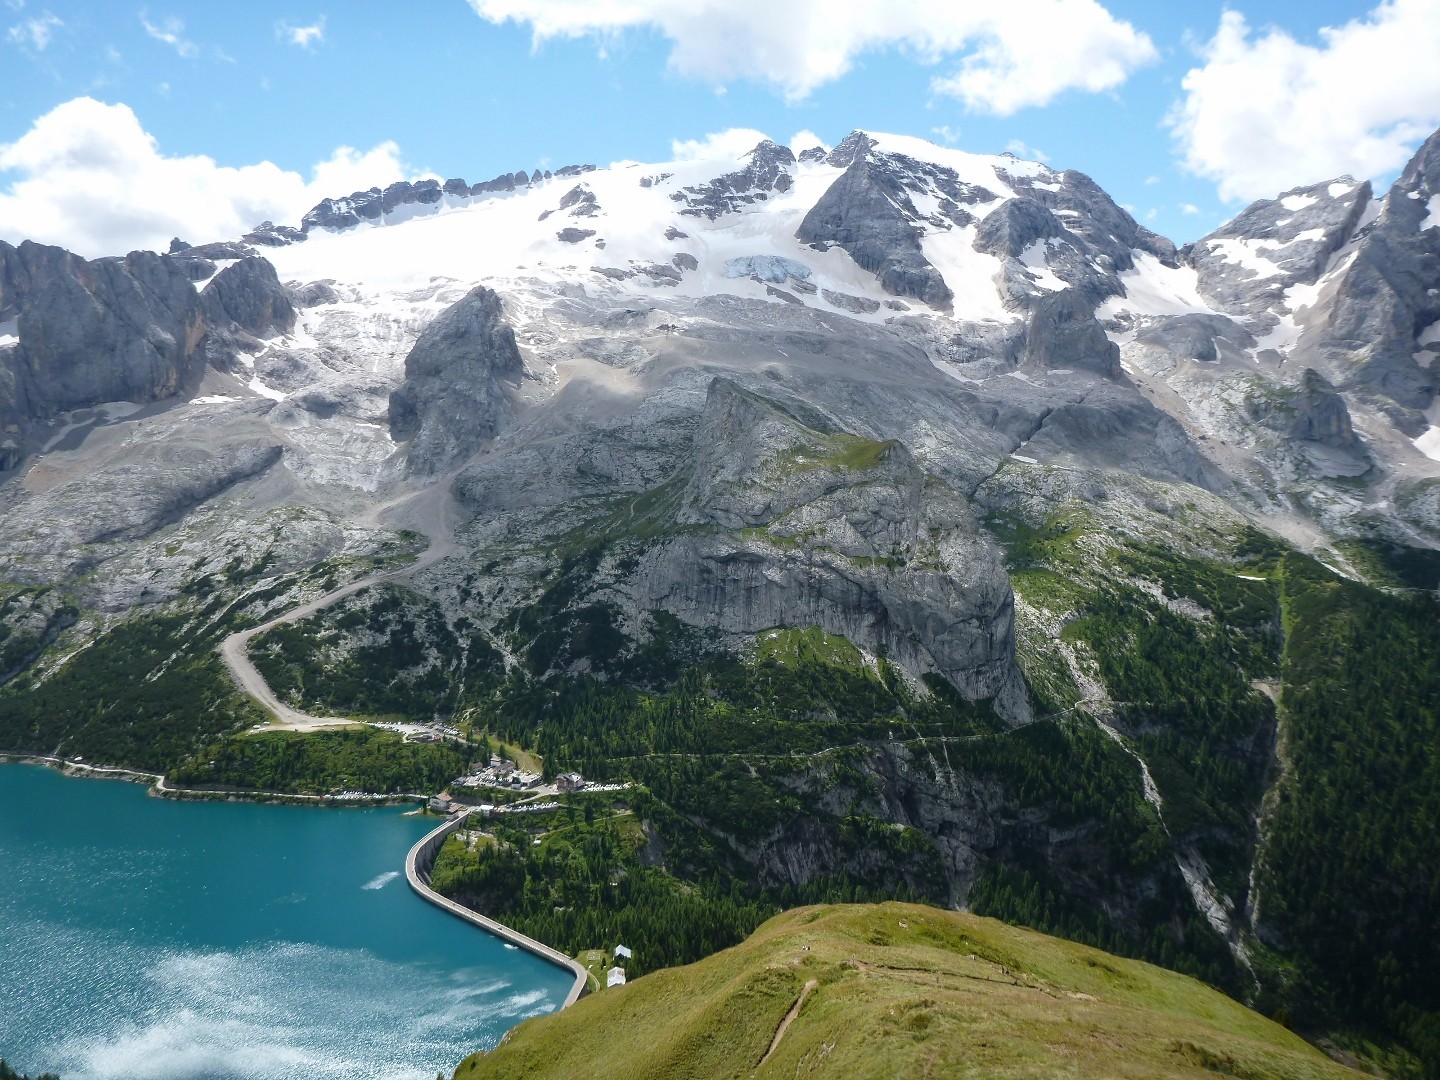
x=905, y=522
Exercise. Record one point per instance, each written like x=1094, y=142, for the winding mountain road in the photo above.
x=428, y=511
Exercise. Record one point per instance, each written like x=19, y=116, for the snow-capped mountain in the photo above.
x=999, y=266
x=812, y=392
x=1289, y=349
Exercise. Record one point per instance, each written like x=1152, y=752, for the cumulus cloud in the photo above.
x=35, y=31
x=1266, y=112
x=1010, y=56
x=306, y=36
x=718, y=146
x=1189, y=209
x=87, y=176
x=171, y=32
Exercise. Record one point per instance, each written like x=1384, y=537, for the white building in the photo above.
x=615, y=977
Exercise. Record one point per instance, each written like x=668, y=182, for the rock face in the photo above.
x=1342, y=283
x=767, y=170
x=1100, y=240
x=1388, y=294
x=797, y=524
x=378, y=205
x=268, y=234
x=91, y=332
x=1312, y=413
x=1196, y=337
x=139, y=493
x=344, y=213
x=249, y=294
x=454, y=395
x=1246, y=265
x=862, y=213
x=1053, y=230
x=1062, y=333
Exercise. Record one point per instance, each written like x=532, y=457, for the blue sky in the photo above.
x=460, y=93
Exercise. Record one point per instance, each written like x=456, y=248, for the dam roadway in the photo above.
x=417, y=872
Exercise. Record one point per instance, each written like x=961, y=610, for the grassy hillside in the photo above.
x=901, y=990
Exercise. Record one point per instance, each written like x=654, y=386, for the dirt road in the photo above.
x=427, y=511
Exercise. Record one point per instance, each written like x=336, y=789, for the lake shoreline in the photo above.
x=242, y=941
x=159, y=789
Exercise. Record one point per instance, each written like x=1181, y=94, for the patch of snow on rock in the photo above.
x=1033, y=258
x=1247, y=254
x=1152, y=288
x=260, y=388
x=1429, y=443
x=971, y=275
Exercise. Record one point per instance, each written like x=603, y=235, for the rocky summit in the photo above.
x=930, y=456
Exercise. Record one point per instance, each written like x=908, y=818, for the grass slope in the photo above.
x=901, y=990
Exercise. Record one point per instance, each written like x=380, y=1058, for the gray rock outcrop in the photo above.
x=91, y=332
x=1246, y=265
x=1062, y=333
x=249, y=295
x=268, y=234
x=1195, y=337
x=767, y=170
x=454, y=395
x=1311, y=412
x=794, y=523
x=862, y=213
x=1386, y=296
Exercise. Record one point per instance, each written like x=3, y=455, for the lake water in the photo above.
x=154, y=940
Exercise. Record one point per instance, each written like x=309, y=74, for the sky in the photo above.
x=124, y=124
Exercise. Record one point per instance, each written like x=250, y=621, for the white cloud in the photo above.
x=946, y=134
x=35, y=32
x=171, y=31
x=347, y=170
x=1189, y=209
x=1150, y=181
x=1267, y=112
x=1021, y=150
x=1011, y=55
x=306, y=37
x=726, y=145
x=806, y=139
x=87, y=176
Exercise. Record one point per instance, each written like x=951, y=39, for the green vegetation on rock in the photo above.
x=1349, y=875
x=146, y=694
x=325, y=762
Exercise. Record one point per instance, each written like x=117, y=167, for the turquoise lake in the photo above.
x=143, y=939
